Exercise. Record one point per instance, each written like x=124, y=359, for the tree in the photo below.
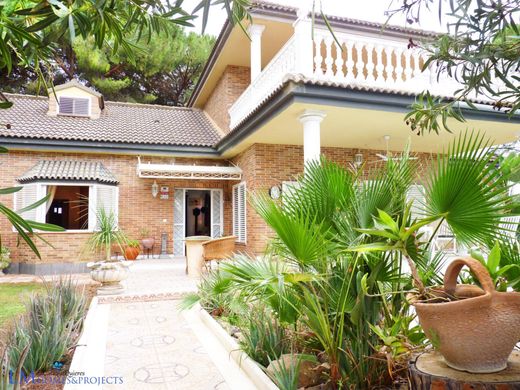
x=481, y=50
x=169, y=65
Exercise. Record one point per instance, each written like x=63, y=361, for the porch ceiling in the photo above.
x=359, y=128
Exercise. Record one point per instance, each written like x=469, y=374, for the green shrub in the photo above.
x=5, y=257
x=264, y=338
x=50, y=326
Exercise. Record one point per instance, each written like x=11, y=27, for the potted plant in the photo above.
x=132, y=249
x=146, y=240
x=474, y=328
x=108, y=272
x=5, y=258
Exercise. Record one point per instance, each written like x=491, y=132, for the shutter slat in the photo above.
x=74, y=106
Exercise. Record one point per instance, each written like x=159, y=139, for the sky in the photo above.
x=371, y=10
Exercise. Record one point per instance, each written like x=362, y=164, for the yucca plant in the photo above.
x=51, y=326
x=106, y=234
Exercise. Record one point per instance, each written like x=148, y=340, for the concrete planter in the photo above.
x=475, y=334
x=250, y=371
x=109, y=274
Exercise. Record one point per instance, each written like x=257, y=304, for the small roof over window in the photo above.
x=69, y=170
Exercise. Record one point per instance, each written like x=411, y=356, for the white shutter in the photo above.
x=216, y=213
x=74, y=106
x=179, y=221
x=416, y=195
x=106, y=197
x=239, y=212
x=29, y=194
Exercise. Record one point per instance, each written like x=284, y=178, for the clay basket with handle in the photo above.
x=477, y=332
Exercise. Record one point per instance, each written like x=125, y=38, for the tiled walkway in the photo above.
x=142, y=337
x=152, y=346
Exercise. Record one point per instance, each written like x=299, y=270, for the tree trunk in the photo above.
x=428, y=371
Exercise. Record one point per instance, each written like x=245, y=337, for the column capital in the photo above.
x=255, y=30
x=312, y=116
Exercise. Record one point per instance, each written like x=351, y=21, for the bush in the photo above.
x=5, y=257
x=50, y=326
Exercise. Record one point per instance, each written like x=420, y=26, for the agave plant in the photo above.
x=345, y=242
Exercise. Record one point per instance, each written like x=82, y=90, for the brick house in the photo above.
x=263, y=106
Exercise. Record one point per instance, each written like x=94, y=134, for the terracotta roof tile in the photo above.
x=119, y=122
x=69, y=170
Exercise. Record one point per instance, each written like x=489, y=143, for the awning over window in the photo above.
x=176, y=171
x=69, y=170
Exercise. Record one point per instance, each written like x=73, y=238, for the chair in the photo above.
x=444, y=238
x=218, y=249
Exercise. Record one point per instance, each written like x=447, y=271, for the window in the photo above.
x=239, y=212
x=72, y=206
x=416, y=195
x=74, y=106
x=67, y=207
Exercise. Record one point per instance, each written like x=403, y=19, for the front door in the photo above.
x=196, y=213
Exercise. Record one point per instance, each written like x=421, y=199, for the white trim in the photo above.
x=176, y=171
x=221, y=191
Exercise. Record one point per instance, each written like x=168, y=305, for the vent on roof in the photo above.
x=74, y=106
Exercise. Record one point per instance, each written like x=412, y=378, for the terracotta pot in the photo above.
x=131, y=252
x=148, y=243
x=478, y=332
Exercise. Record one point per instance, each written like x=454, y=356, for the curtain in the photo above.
x=51, y=191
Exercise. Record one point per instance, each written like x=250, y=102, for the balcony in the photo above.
x=367, y=62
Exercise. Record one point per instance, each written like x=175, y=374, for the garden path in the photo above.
x=142, y=337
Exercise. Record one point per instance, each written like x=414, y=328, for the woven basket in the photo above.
x=219, y=249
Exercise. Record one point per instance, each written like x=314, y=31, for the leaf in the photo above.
x=493, y=261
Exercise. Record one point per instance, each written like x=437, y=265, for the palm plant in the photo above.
x=337, y=263
x=106, y=235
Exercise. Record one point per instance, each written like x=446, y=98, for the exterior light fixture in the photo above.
x=155, y=189
x=358, y=159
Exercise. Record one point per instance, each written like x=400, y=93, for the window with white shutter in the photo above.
x=74, y=106
x=239, y=212
x=72, y=206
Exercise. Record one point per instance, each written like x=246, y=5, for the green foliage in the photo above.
x=504, y=275
x=264, y=338
x=106, y=235
x=50, y=326
x=481, y=51
x=13, y=298
x=133, y=244
x=335, y=267
x=5, y=257
x=10, y=373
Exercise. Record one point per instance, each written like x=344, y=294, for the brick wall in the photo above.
x=137, y=208
x=266, y=165
x=234, y=80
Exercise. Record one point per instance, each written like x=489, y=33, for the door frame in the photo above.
x=184, y=189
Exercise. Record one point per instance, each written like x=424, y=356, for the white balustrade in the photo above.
x=350, y=60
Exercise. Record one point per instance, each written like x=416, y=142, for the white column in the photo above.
x=304, y=43
x=255, y=33
x=311, y=120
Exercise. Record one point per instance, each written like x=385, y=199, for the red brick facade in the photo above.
x=138, y=209
x=232, y=83
x=263, y=166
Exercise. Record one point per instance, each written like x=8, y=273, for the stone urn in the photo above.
x=477, y=331
x=109, y=274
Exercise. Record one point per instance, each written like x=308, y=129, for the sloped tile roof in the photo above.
x=119, y=122
x=68, y=170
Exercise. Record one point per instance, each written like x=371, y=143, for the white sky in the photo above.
x=371, y=10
